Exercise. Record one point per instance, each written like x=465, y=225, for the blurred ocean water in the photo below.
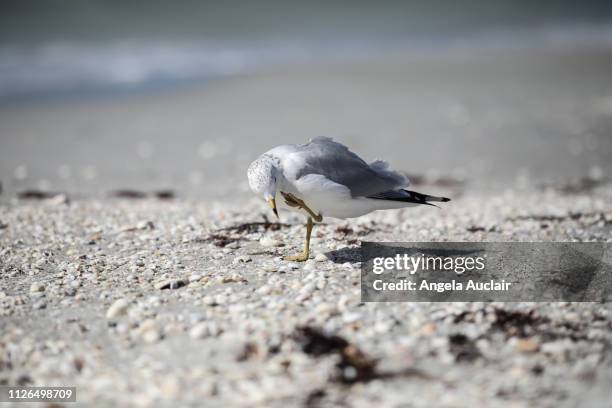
x=49, y=48
x=486, y=94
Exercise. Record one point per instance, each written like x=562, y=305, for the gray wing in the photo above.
x=324, y=156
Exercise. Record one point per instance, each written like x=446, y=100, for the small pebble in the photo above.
x=269, y=242
x=242, y=259
x=195, y=278
x=37, y=287
x=119, y=308
x=320, y=257
x=152, y=335
x=269, y=268
x=39, y=305
x=203, y=330
x=527, y=345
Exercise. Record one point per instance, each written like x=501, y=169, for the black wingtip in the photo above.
x=408, y=196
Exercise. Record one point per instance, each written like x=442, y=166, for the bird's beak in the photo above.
x=272, y=204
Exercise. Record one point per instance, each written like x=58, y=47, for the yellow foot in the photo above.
x=302, y=257
x=293, y=201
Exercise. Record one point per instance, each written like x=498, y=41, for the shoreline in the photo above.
x=492, y=120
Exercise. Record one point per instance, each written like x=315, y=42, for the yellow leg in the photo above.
x=304, y=255
x=293, y=201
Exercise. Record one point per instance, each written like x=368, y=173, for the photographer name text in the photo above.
x=413, y=264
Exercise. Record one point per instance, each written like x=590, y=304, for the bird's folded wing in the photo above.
x=337, y=163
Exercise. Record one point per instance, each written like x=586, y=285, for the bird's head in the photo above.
x=262, y=176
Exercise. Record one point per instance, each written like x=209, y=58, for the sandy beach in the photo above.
x=157, y=303
x=185, y=300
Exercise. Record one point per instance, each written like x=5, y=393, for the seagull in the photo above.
x=323, y=178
